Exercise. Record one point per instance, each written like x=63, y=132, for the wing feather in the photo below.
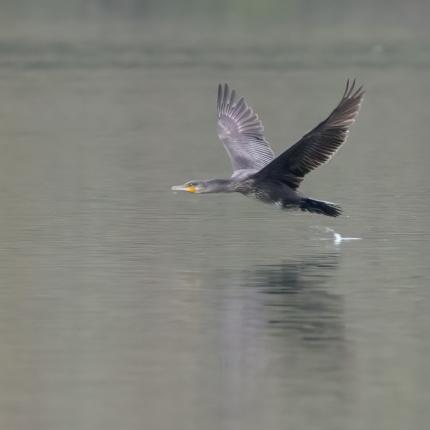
x=320, y=144
x=241, y=132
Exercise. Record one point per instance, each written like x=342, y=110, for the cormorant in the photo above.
x=256, y=171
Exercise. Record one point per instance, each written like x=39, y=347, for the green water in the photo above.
x=124, y=305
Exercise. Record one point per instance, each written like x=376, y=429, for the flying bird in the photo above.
x=256, y=171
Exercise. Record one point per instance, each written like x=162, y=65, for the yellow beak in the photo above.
x=189, y=188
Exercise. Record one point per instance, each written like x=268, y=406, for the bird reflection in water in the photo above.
x=293, y=300
x=284, y=322
x=275, y=328
x=298, y=297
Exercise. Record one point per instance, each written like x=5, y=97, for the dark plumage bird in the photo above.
x=256, y=171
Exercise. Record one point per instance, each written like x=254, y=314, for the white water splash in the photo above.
x=338, y=238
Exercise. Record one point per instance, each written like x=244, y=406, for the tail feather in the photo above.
x=320, y=207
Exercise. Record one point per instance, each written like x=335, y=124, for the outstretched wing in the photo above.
x=320, y=144
x=241, y=132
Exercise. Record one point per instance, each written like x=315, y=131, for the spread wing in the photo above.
x=320, y=144
x=241, y=132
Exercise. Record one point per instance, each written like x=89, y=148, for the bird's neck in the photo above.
x=220, y=186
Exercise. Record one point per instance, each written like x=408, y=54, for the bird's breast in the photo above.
x=273, y=193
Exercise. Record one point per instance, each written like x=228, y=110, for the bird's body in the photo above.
x=256, y=171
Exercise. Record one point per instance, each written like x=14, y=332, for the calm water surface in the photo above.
x=124, y=305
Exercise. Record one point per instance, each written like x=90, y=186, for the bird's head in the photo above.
x=196, y=187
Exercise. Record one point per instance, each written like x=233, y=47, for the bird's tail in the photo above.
x=320, y=207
